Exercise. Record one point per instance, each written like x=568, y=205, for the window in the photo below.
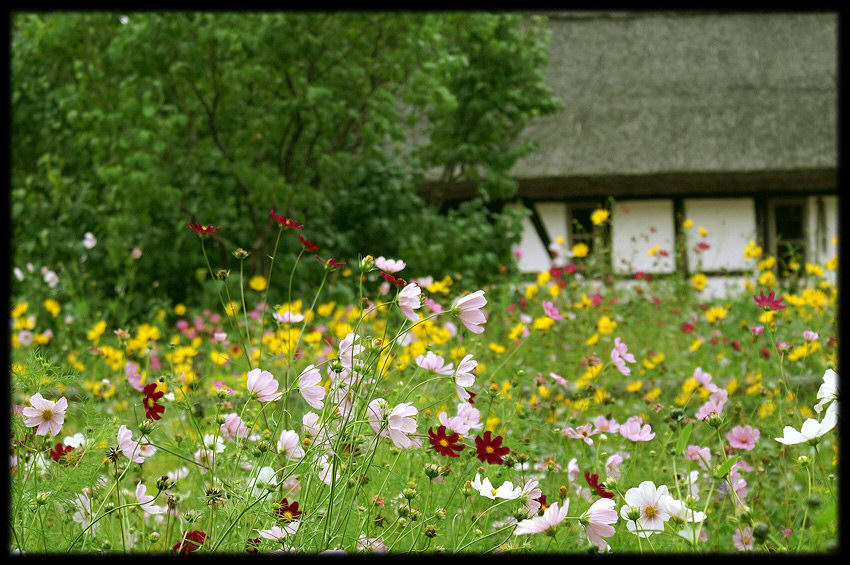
x=787, y=234
x=580, y=226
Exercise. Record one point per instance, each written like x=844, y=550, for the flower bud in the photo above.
x=633, y=513
x=714, y=420
x=42, y=498
x=466, y=489
x=760, y=531
x=241, y=253
x=409, y=493
x=432, y=470
x=430, y=531
x=146, y=426
x=803, y=461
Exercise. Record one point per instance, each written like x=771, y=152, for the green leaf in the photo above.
x=683, y=438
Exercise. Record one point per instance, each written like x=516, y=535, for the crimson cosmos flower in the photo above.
x=593, y=481
x=389, y=278
x=490, y=450
x=308, y=245
x=284, y=221
x=769, y=302
x=60, y=450
x=203, y=231
x=287, y=512
x=445, y=444
x=330, y=263
x=152, y=409
x=192, y=541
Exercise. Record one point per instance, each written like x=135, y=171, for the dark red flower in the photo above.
x=593, y=481
x=570, y=268
x=769, y=302
x=490, y=450
x=765, y=352
x=330, y=263
x=203, y=231
x=252, y=545
x=556, y=272
x=59, y=451
x=703, y=245
x=308, y=245
x=153, y=410
x=284, y=221
x=543, y=504
x=639, y=275
x=471, y=396
x=287, y=512
x=445, y=444
x=192, y=541
x=687, y=327
x=389, y=278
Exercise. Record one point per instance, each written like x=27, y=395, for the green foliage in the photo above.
x=130, y=130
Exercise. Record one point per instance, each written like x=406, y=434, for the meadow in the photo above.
x=556, y=412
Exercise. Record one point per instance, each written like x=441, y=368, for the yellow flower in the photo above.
x=554, y=290
x=767, y=278
x=516, y=331
x=543, y=391
x=440, y=286
x=634, y=386
x=606, y=325
x=814, y=297
x=346, y=272
x=832, y=264
x=752, y=251
x=258, y=283
x=582, y=405
x=543, y=277
x=580, y=250
x=491, y=423
x=697, y=343
x=52, y=306
x=766, y=409
x=96, y=331
x=218, y=357
x=601, y=395
x=687, y=223
x=653, y=251
x=653, y=394
x=25, y=323
x=325, y=310
x=19, y=309
x=543, y=323
x=703, y=232
x=599, y=215
x=699, y=281
x=766, y=317
x=592, y=339
x=715, y=313
x=180, y=309
x=592, y=372
x=496, y=347
x=767, y=263
x=232, y=308
x=731, y=386
x=530, y=291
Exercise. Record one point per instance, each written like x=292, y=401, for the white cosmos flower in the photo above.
x=828, y=391
x=812, y=430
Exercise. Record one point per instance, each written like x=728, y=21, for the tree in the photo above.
x=131, y=126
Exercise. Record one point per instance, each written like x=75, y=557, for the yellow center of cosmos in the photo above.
x=649, y=511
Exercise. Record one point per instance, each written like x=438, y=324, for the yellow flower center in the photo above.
x=493, y=491
x=649, y=511
x=444, y=443
x=489, y=449
x=47, y=415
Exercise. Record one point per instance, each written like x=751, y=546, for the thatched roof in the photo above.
x=663, y=96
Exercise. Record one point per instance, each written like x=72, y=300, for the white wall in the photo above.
x=636, y=227
x=819, y=251
x=730, y=223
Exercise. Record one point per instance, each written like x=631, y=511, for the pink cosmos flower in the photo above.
x=263, y=384
x=469, y=311
x=550, y=310
x=433, y=362
x=532, y=495
x=603, y=425
x=288, y=317
x=45, y=415
x=233, y=426
x=133, y=376
x=757, y=330
x=704, y=379
x=620, y=355
x=700, y=454
x=597, y=522
x=809, y=335
x=408, y=301
x=128, y=447
x=289, y=445
x=714, y=404
x=143, y=498
x=396, y=425
x=633, y=430
x=277, y=533
x=743, y=537
x=389, y=265
x=560, y=380
x=463, y=376
x=582, y=432
x=743, y=437
x=349, y=349
x=612, y=465
x=651, y=504
x=552, y=516
x=432, y=305
x=572, y=469
x=371, y=545
x=311, y=390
